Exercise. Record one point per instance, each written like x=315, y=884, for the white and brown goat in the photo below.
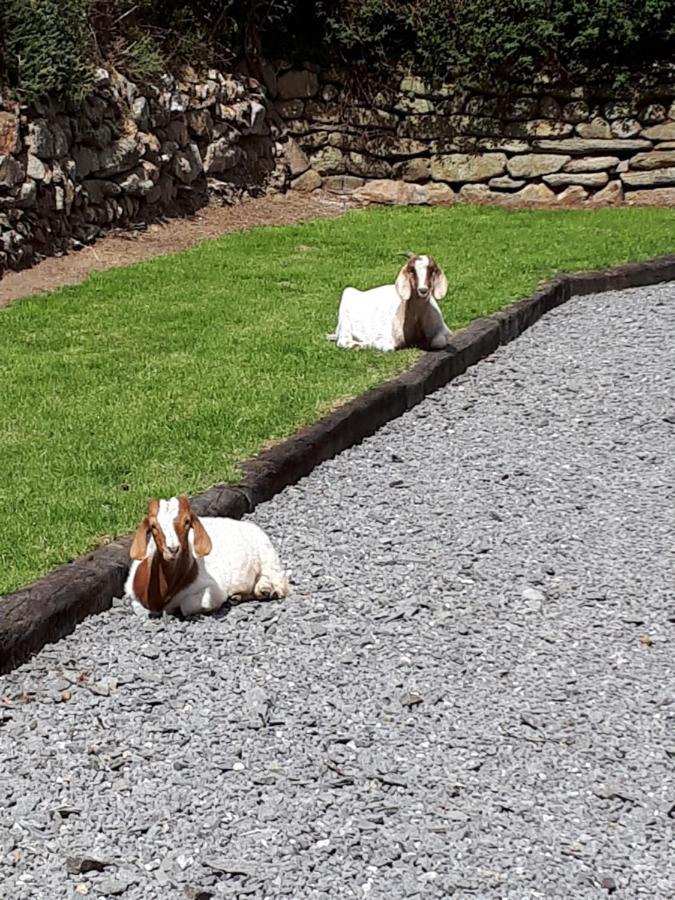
x=180, y=561
x=394, y=316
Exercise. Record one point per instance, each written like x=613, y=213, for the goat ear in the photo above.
x=202, y=545
x=139, y=545
x=403, y=284
x=439, y=286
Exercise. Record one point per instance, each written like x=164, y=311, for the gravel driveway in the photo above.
x=470, y=691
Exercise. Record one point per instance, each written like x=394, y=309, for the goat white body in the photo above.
x=242, y=563
x=376, y=318
x=369, y=318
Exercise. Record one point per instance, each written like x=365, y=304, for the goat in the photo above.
x=180, y=561
x=394, y=316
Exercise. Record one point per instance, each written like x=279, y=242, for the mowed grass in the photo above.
x=161, y=377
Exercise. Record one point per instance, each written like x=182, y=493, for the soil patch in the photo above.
x=120, y=248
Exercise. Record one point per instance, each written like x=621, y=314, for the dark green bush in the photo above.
x=45, y=46
x=130, y=33
x=49, y=46
x=568, y=38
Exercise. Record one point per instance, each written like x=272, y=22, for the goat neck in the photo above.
x=414, y=288
x=414, y=311
x=158, y=580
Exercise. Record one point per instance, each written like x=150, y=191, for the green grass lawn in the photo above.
x=160, y=377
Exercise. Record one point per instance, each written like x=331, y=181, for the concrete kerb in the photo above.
x=51, y=607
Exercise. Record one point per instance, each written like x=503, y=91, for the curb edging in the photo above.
x=50, y=608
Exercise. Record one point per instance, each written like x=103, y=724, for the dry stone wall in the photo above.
x=129, y=154
x=541, y=145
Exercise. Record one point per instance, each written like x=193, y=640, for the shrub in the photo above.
x=50, y=46
x=144, y=38
x=45, y=47
x=569, y=38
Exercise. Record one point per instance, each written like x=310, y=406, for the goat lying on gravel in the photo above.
x=394, y=316
x=195, y=565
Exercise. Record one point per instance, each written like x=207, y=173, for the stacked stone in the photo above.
x=545, y=144
x=127, y=155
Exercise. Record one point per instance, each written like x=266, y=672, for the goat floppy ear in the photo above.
x=139, y=545
x=202, y=545
x=439, y=285
x=403, y=284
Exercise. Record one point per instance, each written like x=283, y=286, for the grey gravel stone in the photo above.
x=404, y=724
x=198, y=893
x=113, y=887
x=533, y=596
x=77, y=865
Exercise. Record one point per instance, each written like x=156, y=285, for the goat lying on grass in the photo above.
x=195, y=565
x=394, y=316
